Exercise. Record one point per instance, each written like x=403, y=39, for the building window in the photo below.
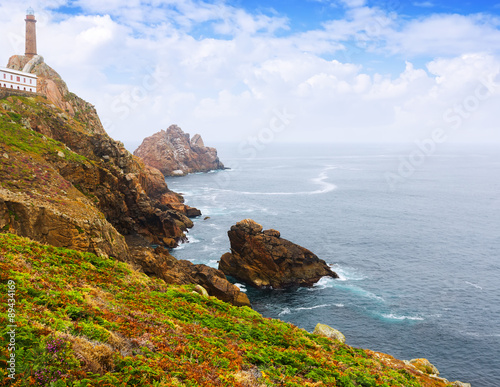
x=11, y=78
x=5, y=76
x=24, y=80
x=31, y=81
x=18, y=79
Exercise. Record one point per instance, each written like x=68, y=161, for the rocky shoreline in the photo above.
x=66, y=184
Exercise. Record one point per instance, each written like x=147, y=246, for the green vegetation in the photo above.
x=15, y=136
x=84, y=320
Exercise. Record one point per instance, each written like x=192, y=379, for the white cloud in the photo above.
x=440, y=35
x=144, y=68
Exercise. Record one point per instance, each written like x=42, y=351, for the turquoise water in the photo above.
x=419, y=260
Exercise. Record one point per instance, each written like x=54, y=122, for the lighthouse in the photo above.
x=30, y=33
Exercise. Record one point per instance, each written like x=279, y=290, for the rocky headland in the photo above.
x=65, y=182
x=174, y=153
x=265, y=260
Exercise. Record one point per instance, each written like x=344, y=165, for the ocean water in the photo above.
x=418, y=255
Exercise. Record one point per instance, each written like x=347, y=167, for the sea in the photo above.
x=413, y=232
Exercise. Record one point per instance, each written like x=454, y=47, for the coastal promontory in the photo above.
x=265, y=260
x=174, y=153
x=66, y=183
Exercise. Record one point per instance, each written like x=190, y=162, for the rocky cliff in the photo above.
x=263, y=259
x=52, y=86
x=65, y=182
x=174, y=153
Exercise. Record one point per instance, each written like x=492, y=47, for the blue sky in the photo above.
x=347, y=70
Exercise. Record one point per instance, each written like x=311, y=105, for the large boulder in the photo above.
x=327, y=331
x=265, y=260
x=175, y=154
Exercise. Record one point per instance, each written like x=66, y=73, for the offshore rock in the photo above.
x=159, y=263
x=263, y=259
x=175, y=154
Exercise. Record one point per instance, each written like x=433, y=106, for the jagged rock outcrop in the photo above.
x=51, y=85
x=159, y=263
x=123, y=188
x=174, y=153
x=263, y=259
x=425, y=366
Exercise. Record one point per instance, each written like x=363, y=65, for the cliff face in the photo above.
x=65, y=182
x=97, y=166
x=51, y=85
x=174, y=153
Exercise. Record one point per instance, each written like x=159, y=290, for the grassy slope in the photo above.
x=83, y=320
x=27, y=169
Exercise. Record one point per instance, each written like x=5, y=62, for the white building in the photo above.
x=17, y=80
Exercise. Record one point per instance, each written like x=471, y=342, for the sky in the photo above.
x=275, y=71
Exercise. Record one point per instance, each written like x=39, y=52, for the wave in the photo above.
x=242, y=287
x=346, y=273
x=323, y=283
x=360, y=292
x=287, y=310
x=313, y=307
x=325, y=187
x=192, y=239
x=474, y=285
x=392, y=316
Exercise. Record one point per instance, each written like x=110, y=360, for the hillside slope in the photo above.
x=84, y=320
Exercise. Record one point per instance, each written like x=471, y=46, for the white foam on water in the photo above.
x=284, y=311
x=392, y=316
x=360, y=292
x=208, y=248
x=346, y=273
x=323, y=283
x=474, y=285
x=313, y=307
x=217, y=238
x=192, y=239
x=242, y=287
x=339, y=305
x=325, y=187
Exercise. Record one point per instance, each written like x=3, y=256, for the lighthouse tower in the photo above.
x=30, y=33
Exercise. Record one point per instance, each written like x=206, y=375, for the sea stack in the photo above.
x=265, y=260
x=174, y=153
